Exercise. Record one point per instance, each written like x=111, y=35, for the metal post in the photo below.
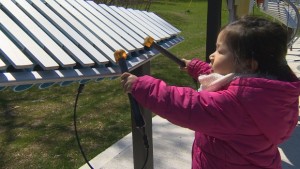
x=213, y=25
x=139, y=151
x=231, y=10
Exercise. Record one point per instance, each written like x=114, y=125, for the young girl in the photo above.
x=247, y=104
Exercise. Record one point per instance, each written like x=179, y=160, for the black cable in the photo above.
x=80, y=88
x=146, y=144
x=145, y=138
x=146, y=160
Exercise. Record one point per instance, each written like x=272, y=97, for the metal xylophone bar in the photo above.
x=46, y=42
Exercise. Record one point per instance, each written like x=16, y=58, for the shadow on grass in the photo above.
x=6, y=127
x=38, y=133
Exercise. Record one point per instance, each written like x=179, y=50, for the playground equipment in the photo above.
x=284, y=11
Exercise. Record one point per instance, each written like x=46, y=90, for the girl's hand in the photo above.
x=186, y=64
x=127, y=79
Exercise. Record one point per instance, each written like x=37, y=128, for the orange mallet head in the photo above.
x=148, y=41
x=120, y=54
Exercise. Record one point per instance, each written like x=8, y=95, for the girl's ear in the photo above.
x=254, y=65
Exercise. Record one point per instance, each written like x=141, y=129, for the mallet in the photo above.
x=120, y=56
x=149, y=42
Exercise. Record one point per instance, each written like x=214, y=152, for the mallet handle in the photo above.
x=149, y=42
x=139, y=120
x=168, y=54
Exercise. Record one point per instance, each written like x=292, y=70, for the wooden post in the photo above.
x=139, y=150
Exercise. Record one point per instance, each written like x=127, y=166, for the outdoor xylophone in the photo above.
x=47, y=42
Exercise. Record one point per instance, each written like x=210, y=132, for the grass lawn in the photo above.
x=36, y=126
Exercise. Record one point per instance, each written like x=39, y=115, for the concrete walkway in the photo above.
x=171, y=149
x=172, y=144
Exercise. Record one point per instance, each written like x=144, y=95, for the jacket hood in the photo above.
x=276, y=112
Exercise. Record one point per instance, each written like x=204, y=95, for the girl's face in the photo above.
x=222, y=60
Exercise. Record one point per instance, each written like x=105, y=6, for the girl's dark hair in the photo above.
x=255, y=38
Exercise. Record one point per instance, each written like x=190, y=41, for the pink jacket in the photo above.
x=238, y=127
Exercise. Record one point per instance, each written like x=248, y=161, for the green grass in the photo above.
x=36, y=126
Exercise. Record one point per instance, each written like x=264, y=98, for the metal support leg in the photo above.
x=139, y=151
x=213, y=25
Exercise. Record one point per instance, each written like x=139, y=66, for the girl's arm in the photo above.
x=209, y=112
x=196, y=67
